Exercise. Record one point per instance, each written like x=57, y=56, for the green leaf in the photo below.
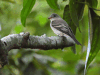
x=80, y=9
x=92, y=3
x=67, y=18
x=27, y=7
x=95, y=46
x=73, y=13
x=90, y=35
x=94, y=40
x=53, y=4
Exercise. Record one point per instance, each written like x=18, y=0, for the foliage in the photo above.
x=27, y=6
x=77, y=13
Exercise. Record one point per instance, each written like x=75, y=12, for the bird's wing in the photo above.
x=63, y=27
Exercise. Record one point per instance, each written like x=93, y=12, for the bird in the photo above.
x=61, y=28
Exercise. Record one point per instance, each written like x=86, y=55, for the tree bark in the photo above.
x=25, y=40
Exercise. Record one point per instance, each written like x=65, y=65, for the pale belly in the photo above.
x=56, y=31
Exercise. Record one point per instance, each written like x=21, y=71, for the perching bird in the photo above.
x=61, y=28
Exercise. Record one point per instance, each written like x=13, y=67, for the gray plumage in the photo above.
x=61, y=28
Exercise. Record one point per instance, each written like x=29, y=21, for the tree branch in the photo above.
x=24, y=40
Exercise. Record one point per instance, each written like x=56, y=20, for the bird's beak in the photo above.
x=49, y=17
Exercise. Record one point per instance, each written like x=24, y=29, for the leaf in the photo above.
x=53, y=4
x=67, y=18
x=90, y=30
x=95, y=46
x=27, y=7
x=80, y=9
x=73, y=13
x=92, y=3
x=94, y=38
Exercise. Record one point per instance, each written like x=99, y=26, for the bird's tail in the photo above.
x=78, y=43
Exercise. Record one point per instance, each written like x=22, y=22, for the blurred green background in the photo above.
x=43, y=62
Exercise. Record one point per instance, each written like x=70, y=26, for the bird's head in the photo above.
x=53, y=16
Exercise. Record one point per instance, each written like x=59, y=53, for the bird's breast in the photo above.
x=55, y=30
